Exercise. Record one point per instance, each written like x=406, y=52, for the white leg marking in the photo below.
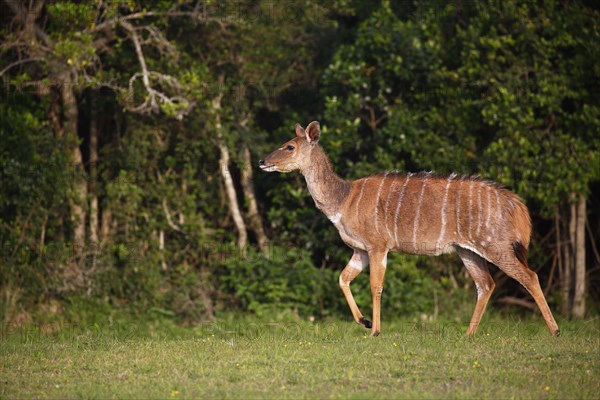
x=387, y=207
x=335, y=218
x=384, y=260
x=443, y=227
x=418, y=214
x=376, y=216
x=356, y=264
x=362, y=189
x=481, y=290
x=358, y=261
x=400, y=197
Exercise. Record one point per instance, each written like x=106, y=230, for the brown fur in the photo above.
x=421, y=213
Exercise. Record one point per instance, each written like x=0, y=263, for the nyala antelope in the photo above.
x=417, y=214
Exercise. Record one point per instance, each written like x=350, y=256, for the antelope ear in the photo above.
x=300, y=131
x=313, y=132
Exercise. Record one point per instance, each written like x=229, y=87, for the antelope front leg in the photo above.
x=378, y=261
x=357, y=263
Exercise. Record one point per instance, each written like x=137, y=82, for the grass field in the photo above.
x=298, y=359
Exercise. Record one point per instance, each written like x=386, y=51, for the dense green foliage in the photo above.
x=507, y=91
x=504, y=91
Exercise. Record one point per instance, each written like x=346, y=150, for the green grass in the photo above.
x=298, y=359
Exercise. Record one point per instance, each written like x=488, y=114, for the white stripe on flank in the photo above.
x=458, y=205
x=479, y=209
x=470, y=208
x=362, y=189
x=489, y=206
x=418, y=213
x=504, y=210
x=443, y=227
x=496, y=213
x=376, y=216
x=400, y=197
x=387, y=207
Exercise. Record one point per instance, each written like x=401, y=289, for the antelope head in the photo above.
x=293, y=154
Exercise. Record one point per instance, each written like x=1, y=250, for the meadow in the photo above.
x=294, y=358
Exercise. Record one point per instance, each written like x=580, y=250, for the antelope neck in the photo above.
x=327, y=189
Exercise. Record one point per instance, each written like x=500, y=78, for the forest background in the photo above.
x=130, y=133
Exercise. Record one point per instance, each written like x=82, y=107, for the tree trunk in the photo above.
x=106, y=225
x=563, y=240
x=93, y=146
x=54, y=115
x=578, y=310
x=234, y=207
x=79, y=183
x=569, y=264
x=559, y=256
x=255, y=220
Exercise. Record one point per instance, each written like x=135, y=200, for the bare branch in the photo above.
x=196, y=15
x=154, y=97
x=28, y=16
x=172, y=224
x=517, y=302
x=140, y=54
x=159, y=41
x=19, y=62
x=162, y=91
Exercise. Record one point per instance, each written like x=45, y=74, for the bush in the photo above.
x=288, y=280
x=282, y=279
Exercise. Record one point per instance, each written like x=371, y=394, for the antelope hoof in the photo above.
x=557, y=333
x=365, y=322
x=375, y=334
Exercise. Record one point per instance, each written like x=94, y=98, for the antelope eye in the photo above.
x=290, y=147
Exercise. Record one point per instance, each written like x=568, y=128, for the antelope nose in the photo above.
x=261, y=161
